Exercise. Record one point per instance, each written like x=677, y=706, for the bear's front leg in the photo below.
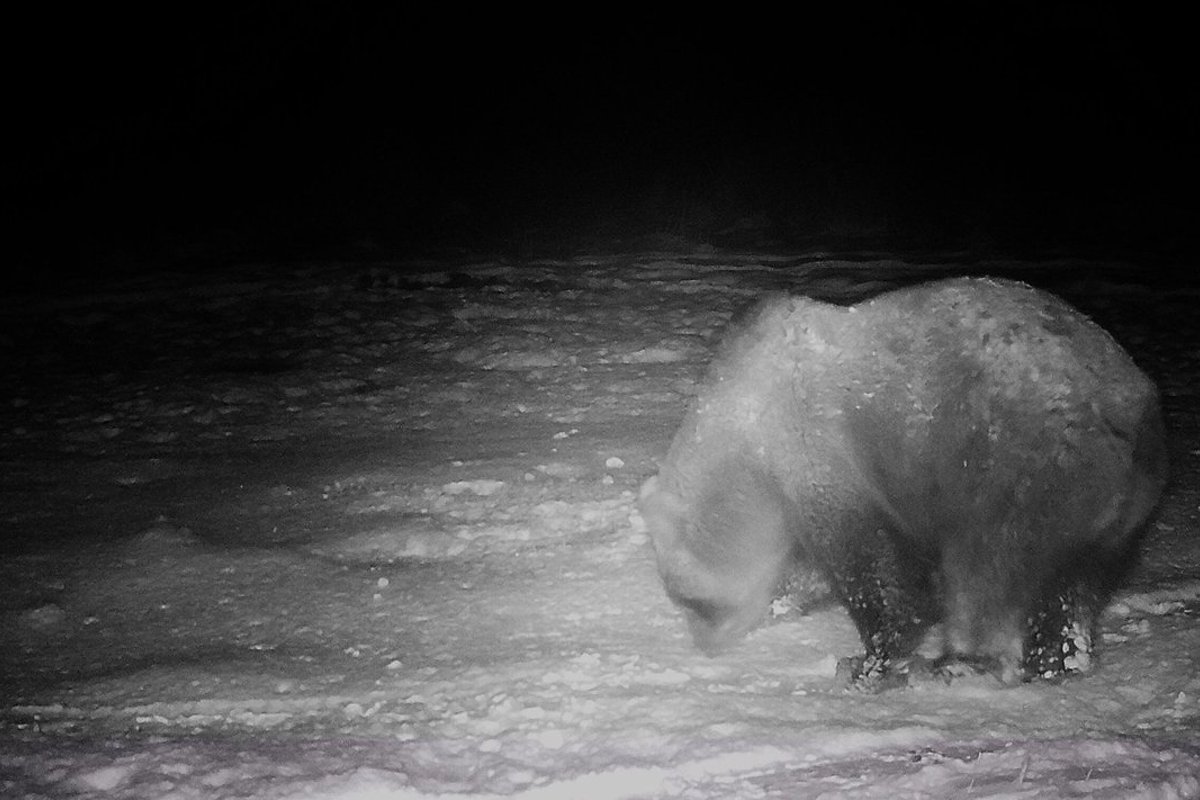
x=887, y=587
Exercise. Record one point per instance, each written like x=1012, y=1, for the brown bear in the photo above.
x=971, y=451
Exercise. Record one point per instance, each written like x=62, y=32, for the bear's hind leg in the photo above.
x=1061, y=628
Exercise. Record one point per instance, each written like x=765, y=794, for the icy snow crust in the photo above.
x=360, y=531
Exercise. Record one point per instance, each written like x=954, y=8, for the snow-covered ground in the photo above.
x=369, y=531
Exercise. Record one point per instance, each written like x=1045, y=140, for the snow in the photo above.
x=358, y=531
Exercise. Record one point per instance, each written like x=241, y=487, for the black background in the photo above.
x=205, y=137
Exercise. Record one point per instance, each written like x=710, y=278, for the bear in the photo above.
x=970, y=452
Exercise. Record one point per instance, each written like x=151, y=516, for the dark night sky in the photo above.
x=293, y=130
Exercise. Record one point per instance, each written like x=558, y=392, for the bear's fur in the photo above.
x=971, y=450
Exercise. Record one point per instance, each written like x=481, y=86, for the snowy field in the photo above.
x=350, y=531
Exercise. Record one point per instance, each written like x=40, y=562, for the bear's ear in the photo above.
x=663, y=512
x=654, y=501
x=648, y=488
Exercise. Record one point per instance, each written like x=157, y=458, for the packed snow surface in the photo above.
x=347, y=531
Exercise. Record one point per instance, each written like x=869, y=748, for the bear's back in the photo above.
x=997, y=402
